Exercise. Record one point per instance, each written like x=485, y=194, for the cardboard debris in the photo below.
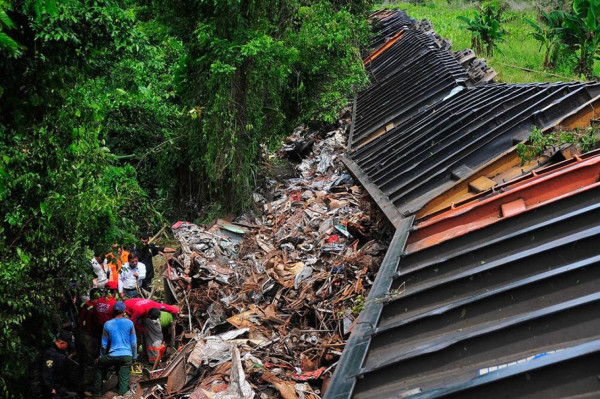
x=267, y=300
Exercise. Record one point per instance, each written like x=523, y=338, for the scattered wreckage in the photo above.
x=267, y=301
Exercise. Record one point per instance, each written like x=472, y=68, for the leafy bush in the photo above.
x=572, y=33
x=108, y=107
x=486, y=27
x=580, y=32
x=8, y=46
x=62, y=191
x=538, y=142
x=547, y=33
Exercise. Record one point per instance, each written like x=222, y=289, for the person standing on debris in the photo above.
x=87, y=344
x=138, y=309
x=145, y=255
x=132, y=273
x=99, y=270
x=103, y=308
x=114, y=260
x=155, y=345
x=119, y=349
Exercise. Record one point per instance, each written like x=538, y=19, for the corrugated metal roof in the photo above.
x=422, y=156
x=493, y=296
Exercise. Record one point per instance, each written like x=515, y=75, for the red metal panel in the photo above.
x=533, y=192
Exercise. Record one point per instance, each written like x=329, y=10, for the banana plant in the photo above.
x=580, y=31
x=486, y=27
x=547, y=33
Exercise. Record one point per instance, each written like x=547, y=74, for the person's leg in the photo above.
x=124, y=373
x=87, y=358
x=103, y=364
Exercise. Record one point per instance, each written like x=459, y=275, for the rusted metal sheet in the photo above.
x=177, y=376
x=520, y=197
x=508, y=166
x=145, y=384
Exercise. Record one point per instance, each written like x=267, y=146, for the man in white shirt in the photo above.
x=98, y=269
x=131, y=276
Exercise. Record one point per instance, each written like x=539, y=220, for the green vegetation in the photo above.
x=486, y=27
x=520, y=48
x=546, y=33
x=538, y=142
x=580, y=34
x=112, y=109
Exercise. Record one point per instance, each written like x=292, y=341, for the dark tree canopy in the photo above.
x=113, y=109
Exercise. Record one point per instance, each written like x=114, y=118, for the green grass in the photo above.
x=519, y=48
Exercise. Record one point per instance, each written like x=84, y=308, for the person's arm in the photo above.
x=133, y=340
x=169, y=308
x=156, y=250
x=142, y=271
x=104, y=344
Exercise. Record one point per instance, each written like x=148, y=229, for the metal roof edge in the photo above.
x=447, y=340
x=342, y=383
x=382, y=200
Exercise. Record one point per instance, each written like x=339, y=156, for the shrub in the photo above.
x=486, y=27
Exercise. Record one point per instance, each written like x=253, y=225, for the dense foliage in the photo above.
x=112, y=109
x=253, y=70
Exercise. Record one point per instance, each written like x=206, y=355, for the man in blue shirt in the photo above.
x=119, y=348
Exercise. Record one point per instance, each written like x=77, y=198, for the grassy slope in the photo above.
x=519, y=49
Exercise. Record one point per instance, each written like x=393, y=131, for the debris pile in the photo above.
x=267, y=301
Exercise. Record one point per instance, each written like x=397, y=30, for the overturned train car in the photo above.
x=490, y=285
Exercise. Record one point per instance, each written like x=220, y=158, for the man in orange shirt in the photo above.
x=115, y=260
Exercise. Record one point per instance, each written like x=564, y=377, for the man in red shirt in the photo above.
x=137, y=309
x=103, y=308
x=146, y=313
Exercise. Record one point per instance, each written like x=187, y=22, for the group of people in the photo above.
x=131, y=270
x=111, y=324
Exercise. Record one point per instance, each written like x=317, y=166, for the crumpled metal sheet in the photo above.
x=214, y=350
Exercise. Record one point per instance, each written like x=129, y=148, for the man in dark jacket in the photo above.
x=87, y=343
x=52, y=366
x=145, y=254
